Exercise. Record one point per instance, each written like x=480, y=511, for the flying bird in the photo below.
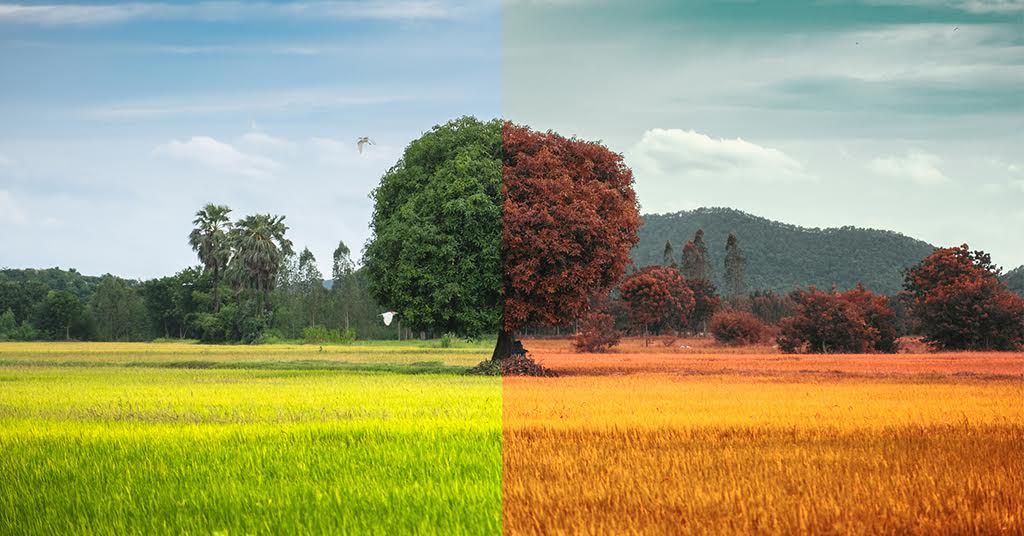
x=388, y=316
x=364, y=140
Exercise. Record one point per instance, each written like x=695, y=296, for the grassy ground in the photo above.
x=98, y=447
x=651, y=440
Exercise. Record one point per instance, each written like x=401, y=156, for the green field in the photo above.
x=158, y=438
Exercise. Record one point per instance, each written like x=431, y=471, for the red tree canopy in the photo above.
x=960, y=304
x=856, y=322
x=570, y=218
x=658, y=297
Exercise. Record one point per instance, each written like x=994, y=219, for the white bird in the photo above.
x=363, y=140
x=388, y=316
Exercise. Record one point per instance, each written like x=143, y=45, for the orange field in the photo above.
x=706, y=440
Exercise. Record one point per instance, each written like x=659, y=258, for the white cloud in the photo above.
x=917, y=166
x=261, y=141
x=689, y=154
x=10, y=212
x=112, y=13
x=218, y=155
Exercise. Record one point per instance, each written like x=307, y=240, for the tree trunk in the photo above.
x=67, y=332
x=503, y=348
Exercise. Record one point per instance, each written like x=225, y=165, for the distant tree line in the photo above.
x=250, y=287
x=955, y=299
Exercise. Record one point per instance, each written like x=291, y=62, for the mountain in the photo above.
x=1015, y=280
x=781, y=257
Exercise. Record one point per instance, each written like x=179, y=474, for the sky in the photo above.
x=895, y=114
x=120, y=120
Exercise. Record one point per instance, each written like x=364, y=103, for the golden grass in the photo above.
x=737, y=443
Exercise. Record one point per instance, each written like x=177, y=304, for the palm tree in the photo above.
x=259, y=247
x=209, y=239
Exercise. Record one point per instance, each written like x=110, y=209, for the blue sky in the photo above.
x=896, y=114
x=122, y=119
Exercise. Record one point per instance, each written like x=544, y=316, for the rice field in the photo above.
x=114, y=440
x=388, y=438
x=651, y=440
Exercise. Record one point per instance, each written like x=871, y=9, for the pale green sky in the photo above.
x=904, y=115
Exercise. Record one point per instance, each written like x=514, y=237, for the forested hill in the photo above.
x=781, y=257
x=1015, y=280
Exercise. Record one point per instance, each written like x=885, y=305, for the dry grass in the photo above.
x=703, y=357
x=667, y=442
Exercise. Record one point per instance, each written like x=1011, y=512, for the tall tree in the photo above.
x=209, y=239
x=668, y=256
x=692, y=265
x=311, y=284
x=260, y=246
x=735, y=268
x=570, y=219
x=705, y=270
x=343, y=287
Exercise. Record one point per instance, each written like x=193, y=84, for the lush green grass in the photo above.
x=146, y=449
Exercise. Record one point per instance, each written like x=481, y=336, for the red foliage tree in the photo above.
x=658, y=299
x=570, y=218
x=737, y=328
x=959, y=302
x=854, y=322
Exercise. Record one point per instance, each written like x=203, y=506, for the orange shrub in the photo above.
x=596, y=333
x=737, y=328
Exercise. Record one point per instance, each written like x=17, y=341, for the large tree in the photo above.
x=570, y=218
x=659, y=299
x=491, y=226
x=960, y=303
x=260, y=246
x=59, y=312
x=435, y=253
x=209, y=239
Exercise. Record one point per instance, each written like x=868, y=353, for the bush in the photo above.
x=853, y=322
x=446, y=340
x=596, y=333
x=737, y=328
x=24, y=332
x=322, y=335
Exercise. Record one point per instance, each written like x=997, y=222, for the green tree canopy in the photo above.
x=435, y=253
x=59, y=312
